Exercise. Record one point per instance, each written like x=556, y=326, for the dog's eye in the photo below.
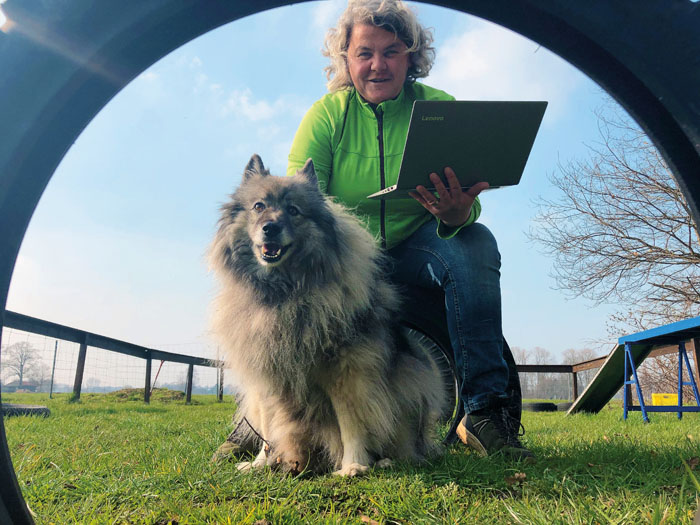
x=258, y=206
x=292, y=210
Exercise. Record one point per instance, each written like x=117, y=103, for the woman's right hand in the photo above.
x=452, y=206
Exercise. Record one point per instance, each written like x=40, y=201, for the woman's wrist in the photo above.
x=456, y=221
x=453, y=226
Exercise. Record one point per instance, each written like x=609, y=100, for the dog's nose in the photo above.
x=271, y=229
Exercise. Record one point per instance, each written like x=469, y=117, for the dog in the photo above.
x=308, y=323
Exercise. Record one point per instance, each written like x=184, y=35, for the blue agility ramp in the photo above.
x=626, y=357
x=674, y=333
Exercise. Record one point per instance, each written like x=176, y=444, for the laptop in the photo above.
x=480, y=140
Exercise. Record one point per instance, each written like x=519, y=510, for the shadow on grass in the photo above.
x=606, y=465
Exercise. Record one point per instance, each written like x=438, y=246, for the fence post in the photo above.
x=82, y=354
x=220, y=389
x=147, y=385
x=190, y=374
x=575, y=385
x=53, y=368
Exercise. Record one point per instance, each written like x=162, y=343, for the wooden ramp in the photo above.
x=609, y=379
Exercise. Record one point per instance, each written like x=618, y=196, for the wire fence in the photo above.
x=549, y=385
x=32, y=356
x=39, y=356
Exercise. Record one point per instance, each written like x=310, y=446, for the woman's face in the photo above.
x=377, y=62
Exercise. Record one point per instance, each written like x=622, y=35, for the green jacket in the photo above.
x=357, y=151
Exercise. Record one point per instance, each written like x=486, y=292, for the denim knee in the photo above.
x=474, y=249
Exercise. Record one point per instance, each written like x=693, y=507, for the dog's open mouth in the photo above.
x=272, y=251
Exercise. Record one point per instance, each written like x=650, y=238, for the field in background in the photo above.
x=111, y=460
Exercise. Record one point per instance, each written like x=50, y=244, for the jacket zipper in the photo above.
x=382, y=178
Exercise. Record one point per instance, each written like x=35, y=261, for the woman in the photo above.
x=355, y=136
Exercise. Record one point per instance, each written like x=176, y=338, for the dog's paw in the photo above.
x=244, y=466
x=384, y=463
x=352, y=470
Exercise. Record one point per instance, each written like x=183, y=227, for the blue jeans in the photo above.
x=467, y=269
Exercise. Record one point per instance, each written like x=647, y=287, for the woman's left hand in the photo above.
x=452, y=206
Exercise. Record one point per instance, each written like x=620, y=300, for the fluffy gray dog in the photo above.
x=308, y=323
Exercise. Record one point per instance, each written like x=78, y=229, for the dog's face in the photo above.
x=276, y=213
x=272, y=228
x=273, y=222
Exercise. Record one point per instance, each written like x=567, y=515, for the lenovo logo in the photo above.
x=432, y=118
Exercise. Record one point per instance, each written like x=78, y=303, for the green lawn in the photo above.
x=104, y=460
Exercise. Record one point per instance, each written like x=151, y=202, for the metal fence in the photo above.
x=95, y=348
x=100, y=347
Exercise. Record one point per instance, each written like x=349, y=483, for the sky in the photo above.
x=117, y=244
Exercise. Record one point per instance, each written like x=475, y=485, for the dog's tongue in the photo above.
x=271, y=249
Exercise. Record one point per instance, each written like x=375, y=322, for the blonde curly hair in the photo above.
x=392, y=15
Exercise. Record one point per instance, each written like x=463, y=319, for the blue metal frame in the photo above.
x=683, y=358
x=630, y=368
x=629, y=364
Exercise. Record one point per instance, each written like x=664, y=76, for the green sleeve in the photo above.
x=313, y=139
x=447, y=232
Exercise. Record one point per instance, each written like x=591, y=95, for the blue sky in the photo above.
x=117, y=244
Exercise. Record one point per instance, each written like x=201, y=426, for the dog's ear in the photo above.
x=255, y=167
x=308, y=172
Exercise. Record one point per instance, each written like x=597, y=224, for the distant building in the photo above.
x=26, y=386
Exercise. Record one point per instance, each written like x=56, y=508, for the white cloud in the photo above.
x=201, y=83
x=212, y=95
x=326, y=13
x=243, y=104
x=488, y=62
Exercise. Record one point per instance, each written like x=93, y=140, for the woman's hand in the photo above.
x=452, y=206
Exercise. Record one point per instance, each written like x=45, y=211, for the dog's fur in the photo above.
x=308, y=323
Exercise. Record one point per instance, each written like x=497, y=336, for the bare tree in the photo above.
x=520, y=355
x=550, y=385
x=621, y=231
x=40, y=374
x=20, y=359
x=541, y=356
x=527, y=380
x=538, y=384
x=573, y=356
x=545, y=383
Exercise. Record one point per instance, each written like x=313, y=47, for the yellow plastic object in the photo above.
x=664, y=399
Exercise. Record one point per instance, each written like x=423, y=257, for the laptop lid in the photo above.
x=481, y=140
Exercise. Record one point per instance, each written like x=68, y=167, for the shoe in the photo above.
x=494, y=431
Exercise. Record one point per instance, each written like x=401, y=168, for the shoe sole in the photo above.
x=471, y=440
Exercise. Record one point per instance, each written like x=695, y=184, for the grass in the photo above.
x=111, y=460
